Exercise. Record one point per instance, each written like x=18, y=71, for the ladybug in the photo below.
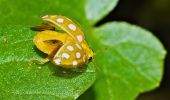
x=63, y=41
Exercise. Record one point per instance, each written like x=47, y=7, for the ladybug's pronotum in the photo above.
x=63, y=41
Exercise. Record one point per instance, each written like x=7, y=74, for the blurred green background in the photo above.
x=153, y=15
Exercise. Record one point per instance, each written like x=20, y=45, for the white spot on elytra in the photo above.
x=78, y=55
x=78, y=46
x=72, y=27
x=65, y=55
x=45, y=16
x=57, y=61
x=70, y=48
x=75, y=62
x=80, y=38
x=60, y=20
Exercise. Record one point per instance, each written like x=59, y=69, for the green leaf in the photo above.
x=97, y=9
x=22, y=80
x=130, y=61
x=25, y=12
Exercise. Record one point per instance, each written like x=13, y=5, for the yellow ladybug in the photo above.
x=63, y=41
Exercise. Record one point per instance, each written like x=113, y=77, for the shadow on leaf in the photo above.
x=66, y=73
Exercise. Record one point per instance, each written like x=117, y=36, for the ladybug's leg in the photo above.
x=50, y=56
x=41, y=62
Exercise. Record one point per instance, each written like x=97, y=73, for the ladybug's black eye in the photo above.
x=90, y=58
